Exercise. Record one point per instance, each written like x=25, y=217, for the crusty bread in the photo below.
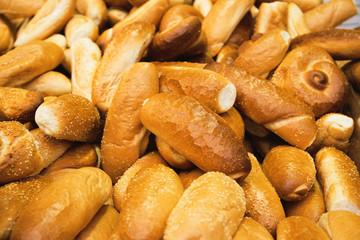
x=250, y=229
x=77, y=195
x=69, y=117
x=151, y=195
x=291, y=171
x=101, y=225
x=352, y=72
x=18, y=104
x=23, y=63
x=77, y=156
x=295, y=23
x=299, y=228
x=80, y=26
x=14, y=197
x=188, y=176
x=196, y=132
x=59, y=39
x=19, y=156
x=85, y=58
x=266, y=104
x=340, y=224
x=122, y=184
x=7, y=32
x=51, y=83
x=49, y=19
x=312, y=206
x=117, y=57
x=124, y=133
x=93, y=9
x=211, y=89
x=271, y=16
x=233, y=118
x=21, y=8
x=310, y=74
x=212, y=207
x=262, y=202
x=243, y=31
x=221, y=21
x=340, y=180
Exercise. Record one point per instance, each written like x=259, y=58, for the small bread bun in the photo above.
x=339, y=179
x=123, y=183
x=79, y=194
x=80, y=26
x=150, y=197
x=312, y=206
x=250, y=229
x=23, y=63
x=291, y=171
x=18, y=104
x=340, y=224
x=14, y=197
x=101, y=225
x=96, y=10
x=262, y=202
x=299, y=228
x=271, y=16
x=69, y=117
x=188, y=176
x=196, y=132
x=203, y=211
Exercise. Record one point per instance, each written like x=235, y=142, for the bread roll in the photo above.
x=203, y=6
x=196, y=132
x=116, y=15
x=49, y=19
x=58, y=39
x=233, y=118
x=312, y=206
x=263, y=145
x=242, y=32
x=151, y=195
x=51, y=83
x=327, y=15
x=117, y=57
x=262, y=202
x=123, y=132
x=310, y=74
x=19, y=156
x=297, y=228
x=80, y=26
x=102, y=224
x=8, y=35
x=340, y=224
x=271, y=16
x=85, y=58
x=69, y=117
x=266, y=104
x=305, y=5
x=250, y=229
x=339, y=179
x=211, y=208
x=221, y=21
x=210, y=89
x=23, y=63
x=296, y=24
x=123, y=183
x=188, y=176
x=77, y=156
x=227, y=54
x=14, y=197
x=93, y=9
x=352, y=72
x=20, y=8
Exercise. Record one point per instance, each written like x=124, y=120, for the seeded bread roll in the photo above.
x=79, y=194
x=211, y=208
x=250, y=229
x=69, y=117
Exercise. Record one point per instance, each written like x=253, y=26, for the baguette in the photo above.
x=79, y=194
x=339, y=179
x=80, y=26
x=124, y=134
x=214, y=147
x=250, y=229
x=23, y=63
x=217, y=219
x=266, y=104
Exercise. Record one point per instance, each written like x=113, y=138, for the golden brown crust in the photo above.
x=298, y=228
x=188, y=176
x=19, y=156
x=305, y=5
x=242, y=32
x=196, y=132
x=235, y=121
x=69, y=117
x=271, y=16
x=217, y=219
x=79, y=194
x=136, y=36
x=80, y=26
x=227, y=54
x=250, y=229
x=95, y=10
x=21, y=8
x=296, y=24
x=262, y=202
x=7, y=32
x=266, y=104
x=352, y=72
x=23, y=63
x=116, y=15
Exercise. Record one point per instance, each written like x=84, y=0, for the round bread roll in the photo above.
x=291, y=171
x=69, y=117
x=77, y=195
x=299, y=228
x=197, y=133
x=250, y=229
x=211, y=208
x=151, y=195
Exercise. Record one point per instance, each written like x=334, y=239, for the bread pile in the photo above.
x=179, y=119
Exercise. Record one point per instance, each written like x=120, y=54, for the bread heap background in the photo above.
x=179, y=119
